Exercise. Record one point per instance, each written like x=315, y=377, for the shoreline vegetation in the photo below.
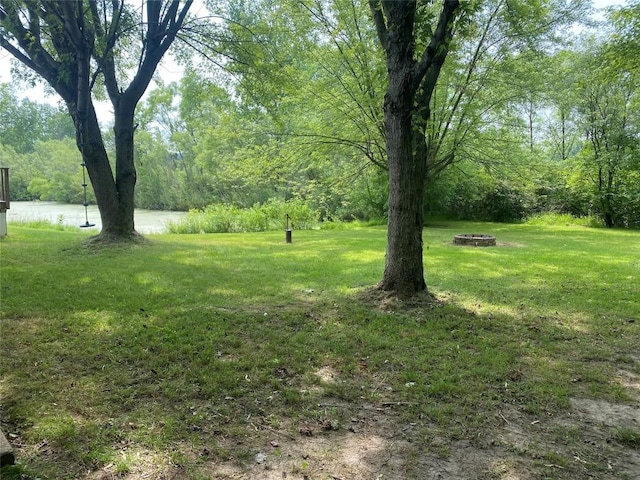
x=217, y=218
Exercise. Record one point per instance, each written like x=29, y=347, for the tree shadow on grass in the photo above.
x=170, y=366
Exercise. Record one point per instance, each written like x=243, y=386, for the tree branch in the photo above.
x=29, y=49
x=105, y=59
x=379, y=21
x=435, y=52
x=157, y=42
x=18, y=54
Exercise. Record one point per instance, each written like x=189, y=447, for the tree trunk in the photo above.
x=404, y=272
x=115, y=199
x=125, y=171
x=406, y=115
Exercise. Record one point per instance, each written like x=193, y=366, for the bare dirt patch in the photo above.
x=385, y=301
x=631, y=382
x=604, y=414
x=375, y=444
x=370, y=441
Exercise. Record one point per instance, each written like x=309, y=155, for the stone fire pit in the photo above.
x=475, y=239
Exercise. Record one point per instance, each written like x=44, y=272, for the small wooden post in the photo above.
x=287, y=232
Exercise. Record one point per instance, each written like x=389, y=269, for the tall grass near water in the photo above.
x=269, y=216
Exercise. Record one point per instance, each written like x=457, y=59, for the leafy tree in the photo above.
x=73, y=45
x=19, y=174
x=51, y=171
x=622, y=49
x=592, y=141
x=24, y=122
x=562, y=129
x=493, y=91
x=310, y=111
x=52, y=175
x=609, y=161
x=412, y=77
x=159, y=186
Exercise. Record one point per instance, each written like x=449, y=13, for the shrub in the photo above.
x=559, y=219
x=271, y=215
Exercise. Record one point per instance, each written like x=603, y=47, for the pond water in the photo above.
x=146, y=221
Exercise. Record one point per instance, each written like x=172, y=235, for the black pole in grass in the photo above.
x=287, y=232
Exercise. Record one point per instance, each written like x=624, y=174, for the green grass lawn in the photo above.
x=192, y=350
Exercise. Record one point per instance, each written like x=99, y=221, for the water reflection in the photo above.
x=146, y=221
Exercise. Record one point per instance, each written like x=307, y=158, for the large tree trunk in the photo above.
x=406, y=114
x=125, y=170
x=115, y=199
x=404, y=272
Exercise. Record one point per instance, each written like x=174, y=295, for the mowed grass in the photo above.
x=183, y=349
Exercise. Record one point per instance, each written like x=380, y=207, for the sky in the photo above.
x=167, y=70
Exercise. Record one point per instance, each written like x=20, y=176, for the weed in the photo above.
x=628, y=436
x=46, y=225
x=557, y=219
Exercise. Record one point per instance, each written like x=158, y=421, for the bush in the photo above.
x=559, y=219
x=271, y=215
x=486, y=200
